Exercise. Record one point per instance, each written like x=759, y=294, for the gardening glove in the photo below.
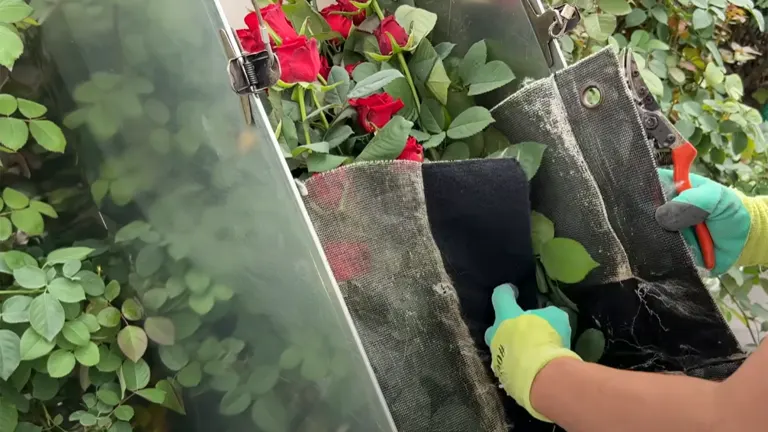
x=738, y=223
x=522, y=343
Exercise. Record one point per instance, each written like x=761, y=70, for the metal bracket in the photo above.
x=251, y=73
x=550, y=25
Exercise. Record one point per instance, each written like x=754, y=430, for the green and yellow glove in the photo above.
x=738, y=223
x=522, y=343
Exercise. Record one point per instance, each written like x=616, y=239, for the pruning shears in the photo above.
x=667, y=141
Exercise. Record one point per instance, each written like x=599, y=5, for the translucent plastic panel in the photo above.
x=208, y=229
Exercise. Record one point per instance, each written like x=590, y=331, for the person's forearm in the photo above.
x=582, y=396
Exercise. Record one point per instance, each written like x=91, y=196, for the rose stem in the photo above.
x=322, y=114
x=303, y=111
x=322, y=80
x=401, y=60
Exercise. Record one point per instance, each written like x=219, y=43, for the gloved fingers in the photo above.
x=559, y=321
x=690, y=207
x=504, y=306
x=505, y=302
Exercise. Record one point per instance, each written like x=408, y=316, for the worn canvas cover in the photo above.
x=418, y=248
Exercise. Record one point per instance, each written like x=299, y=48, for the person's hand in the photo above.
x=522, y=343
x=730, y=216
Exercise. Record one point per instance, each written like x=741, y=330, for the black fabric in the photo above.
x=479, y=215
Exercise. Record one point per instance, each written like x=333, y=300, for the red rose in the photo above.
x=250, y=38
x=339, y=23
x=278, y=22
x=373, y=112
x=351, y=68
x=348, y=260
x=299, y=59
x=389, y=25
x=413, y=151
x=347, y=6
x=325, y=68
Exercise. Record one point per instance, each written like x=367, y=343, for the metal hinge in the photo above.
x=251, y=73
x=551, y=25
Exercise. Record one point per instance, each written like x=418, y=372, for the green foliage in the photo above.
x=685, y=55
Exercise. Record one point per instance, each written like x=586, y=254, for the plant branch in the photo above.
x=303, y=111
x=22, y=291
x=743, y=313
x=377, y=9
x=409, y=78
x=322, y=114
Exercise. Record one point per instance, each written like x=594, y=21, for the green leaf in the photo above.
x=432, y=116
x=13, y=11
x=155, y=298
x=161, y=330
x=202, y=304
x=30, y=277
x=660, y=14
x=149, y=260
x=16, y=309
x=374, y=83
x=153, y=395
x=191, y=375
x=46, y=315
x=108, y=394
x=470, y=122
x=321, y=162
x=635, y=18
x=90, y=321
x=17, y=259
x=456, y=150
x=363, y=71
x=174, y=357
x=473, y=60
x=443, y=49
x=590, y=345
x=14, y=133
x=91, y=283
x=61, y=256
x=9, y=416
x=434, y=141
x=733, y=86
x=132, y=231
x=6, y=229
x=10, y=353
x=740, y=142
x=112, y=290
x=76, y=332
x=44, y=388
x=653, y=82
x=60, y=363
x=34, y=346
x=269, y=414
x=28, y=108
x=70, y=268
x=490, y=76
x=197, y=281
x=173, y=399
x=88, y=355
x=124, y=412
x=528, y=154
x=338, y=94
x=109, y=359
x=28, y=220
x=290, y=358
x=439, y=82
x=600, y=26
x=615, y=7
x=11, y=47
x=759, y=18
x=701, y=19
x=542, y=231
x=8, y=104
x=136, y=374
x=15, y=199
x=109, y=317
x=66, y=291
x=416, y=21
x=566, y=260
x=132, y=310
x=48, y=135
x=133, y=342
x=389, y=142
x=235, y=401
x=713, y=75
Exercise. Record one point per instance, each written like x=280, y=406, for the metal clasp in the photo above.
x=550, y=25
x=254, y=72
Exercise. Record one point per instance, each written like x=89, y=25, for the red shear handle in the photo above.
x=682, y=159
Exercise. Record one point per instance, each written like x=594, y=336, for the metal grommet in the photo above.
x=591, y=97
